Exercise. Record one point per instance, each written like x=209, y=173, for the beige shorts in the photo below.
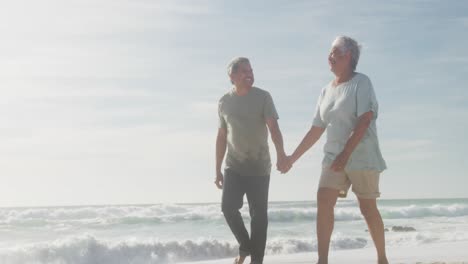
x=365, y=182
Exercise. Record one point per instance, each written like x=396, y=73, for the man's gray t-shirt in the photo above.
x=338, y=110
x=244, y=118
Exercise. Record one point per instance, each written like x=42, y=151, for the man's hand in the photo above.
x=340, y=162
x=283, y=164
x=219, y=180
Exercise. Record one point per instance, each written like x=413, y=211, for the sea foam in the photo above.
x=88, y=249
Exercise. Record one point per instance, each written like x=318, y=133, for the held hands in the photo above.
x=340, y=161
x=284, y=163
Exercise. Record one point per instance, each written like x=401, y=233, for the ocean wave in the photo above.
x=290, y=246
x=148, y=215
x=293, y=214
x=353, y=213
x=110, y=216
x=425, y=237
x=87, y=249
x=414, y=211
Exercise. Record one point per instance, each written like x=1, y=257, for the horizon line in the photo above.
x=202, y=203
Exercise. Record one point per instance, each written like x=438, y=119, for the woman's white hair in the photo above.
x=234, y=64
x=345, y=44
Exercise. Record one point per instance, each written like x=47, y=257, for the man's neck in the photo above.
x=241, y=91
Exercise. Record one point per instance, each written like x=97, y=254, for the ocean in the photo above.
x=172, y=233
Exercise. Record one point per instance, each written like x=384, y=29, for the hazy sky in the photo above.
x=115, y=101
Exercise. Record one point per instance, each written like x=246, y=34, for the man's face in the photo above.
x=338, y=60
x=244, y=76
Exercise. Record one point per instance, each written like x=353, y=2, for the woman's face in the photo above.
x=339, y=62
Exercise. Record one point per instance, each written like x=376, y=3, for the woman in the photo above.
x=347, y=108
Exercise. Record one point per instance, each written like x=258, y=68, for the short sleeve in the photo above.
x=269, y=110
x=366, y=100
x=222, y=121
x=317, y=121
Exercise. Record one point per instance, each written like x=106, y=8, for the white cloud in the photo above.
x=110, y=95
x=399, y=151
x=146, y=158
x=53, y=40
x=75, y=18
x=461, y=59
x=425, y=114
x=207, y=108
x=464, y=21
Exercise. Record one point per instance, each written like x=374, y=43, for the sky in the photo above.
x=115, y=101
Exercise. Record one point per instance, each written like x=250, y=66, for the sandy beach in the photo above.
x=437, y=253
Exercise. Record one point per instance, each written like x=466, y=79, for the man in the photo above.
x=245, y=112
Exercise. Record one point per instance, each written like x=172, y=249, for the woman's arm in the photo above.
x=356, y=137
x=309, y=140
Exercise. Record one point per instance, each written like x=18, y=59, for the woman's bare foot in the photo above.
x=383, y=261
x=322, y=261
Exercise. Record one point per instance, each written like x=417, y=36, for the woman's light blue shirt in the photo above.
x=338, y=110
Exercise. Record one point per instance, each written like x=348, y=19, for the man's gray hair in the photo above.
x=234, y=64
x=344, y=44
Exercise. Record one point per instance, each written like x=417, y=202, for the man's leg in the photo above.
x=232, y=201
x=257, y=195
x=326, y=200
x=376, y=228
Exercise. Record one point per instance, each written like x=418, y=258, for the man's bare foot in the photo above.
x=239, y=260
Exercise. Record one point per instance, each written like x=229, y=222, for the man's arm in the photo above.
x=221, y=143
x=282, y=163
x=307, y=142
x=358, y=133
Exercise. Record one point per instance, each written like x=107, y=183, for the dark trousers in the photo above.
x=256, y=189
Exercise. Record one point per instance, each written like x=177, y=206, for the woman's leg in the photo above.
x=326, y=200
x=376, y=228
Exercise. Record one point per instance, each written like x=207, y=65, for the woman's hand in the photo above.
x=340, y=161
x=284, y=164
